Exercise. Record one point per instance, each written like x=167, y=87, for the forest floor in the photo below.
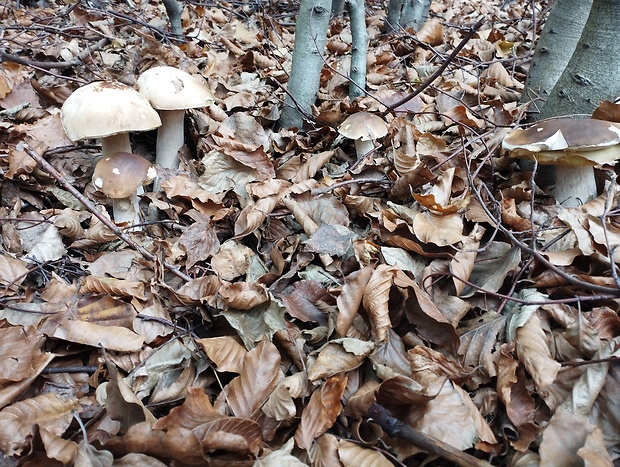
x=286, y=303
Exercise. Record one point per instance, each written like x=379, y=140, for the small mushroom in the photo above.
x=171, y=91
x=108, y=111
x=573, y=146
x=364, y=128
x=121, y=177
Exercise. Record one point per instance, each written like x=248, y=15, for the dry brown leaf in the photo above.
x=49, y=411
x=195, y=411
x=350, y=298
x=225, y=352
x=280, y=405
x=252, y=216
x=339, y=356
x=112, y=286
x=243, y=295
x=259, y=376
x=376, y=297
x=232, y=260
x=442, y=230
x=321, y=412
x=21, y=347
x=200, y=242
x=354, y=455
x=462, y=263
x=230, y=434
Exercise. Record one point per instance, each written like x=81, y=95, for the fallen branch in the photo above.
x=397, y=429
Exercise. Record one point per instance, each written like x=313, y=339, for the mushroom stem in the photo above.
x=115, y=143
x=170, y=137
x=574, y=185
x=363, y=147
x=126, y=210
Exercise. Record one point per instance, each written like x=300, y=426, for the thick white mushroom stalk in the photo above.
x=170, y=138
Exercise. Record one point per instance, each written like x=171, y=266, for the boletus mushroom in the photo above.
x=364, y=128
x=121, y=177
x=574, y=147
x=108, y=111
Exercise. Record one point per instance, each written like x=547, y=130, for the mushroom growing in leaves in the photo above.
x=121, y=177
x=171, y=91
x=573, y=146
x=364, y=128
x=108, y=111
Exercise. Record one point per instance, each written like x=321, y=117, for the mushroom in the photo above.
x=108, y=111
x=364, y=128
x=171, y=91
x=120, y=177
x=573, y=146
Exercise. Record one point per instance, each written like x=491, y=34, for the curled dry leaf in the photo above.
x=350, y=298
x=48, y=410
x=112, y=286
x=321, y=412
x=442, y=230
x=280, y=405
x=230, y=434
x=354, y=455
x=69, y=225
x=243, y=295
x=376, y=297
x=225, y=352
x=259, y=376
x=339, y=356
x=462, y=264
x=195, y=411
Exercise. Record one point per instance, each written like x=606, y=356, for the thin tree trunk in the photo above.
x=392, y=21
x=414, y=13
x=310, y=38
x=357, y=14
x=174, y=9
x=337, y=7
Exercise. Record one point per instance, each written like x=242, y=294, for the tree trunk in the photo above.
x=414, y=13
x=392, y=21
x=593, y=72
x=337, y=7
x=357, y=74
x=174, y=9
x=310, y=38
x=554, y=49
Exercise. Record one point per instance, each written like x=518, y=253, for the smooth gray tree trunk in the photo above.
x=357, y=14
x=554, y=49
x=593, y=72
x=337, y=7
x=392, y=20
x=310, y=38
x=174, y=9
x=414, y=13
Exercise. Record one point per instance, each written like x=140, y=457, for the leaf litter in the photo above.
x=286, y=289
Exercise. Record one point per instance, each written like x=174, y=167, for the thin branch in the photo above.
x=60, y=178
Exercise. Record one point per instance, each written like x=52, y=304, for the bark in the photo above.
x=554, y=49
x=174, y=9
x=393, y=15
x=310, y=38
x=414, y=13
x=337, y=7
x=357, y=13
x=593, y=72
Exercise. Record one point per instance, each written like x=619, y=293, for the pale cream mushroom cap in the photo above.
x=121, y=174
x=168, y=88
x=102, y=109
x=363, y=126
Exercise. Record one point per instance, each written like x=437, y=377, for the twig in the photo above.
x=438, y=72
x=397, y=429
x=78, y=60
x=46, y=166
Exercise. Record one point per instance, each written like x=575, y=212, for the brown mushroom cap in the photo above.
x=103, y=109
x=168, y=88
x=364, y=126
x=566, y=141
x=119, y=175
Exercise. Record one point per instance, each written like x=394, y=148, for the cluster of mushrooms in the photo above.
x=110, y=111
